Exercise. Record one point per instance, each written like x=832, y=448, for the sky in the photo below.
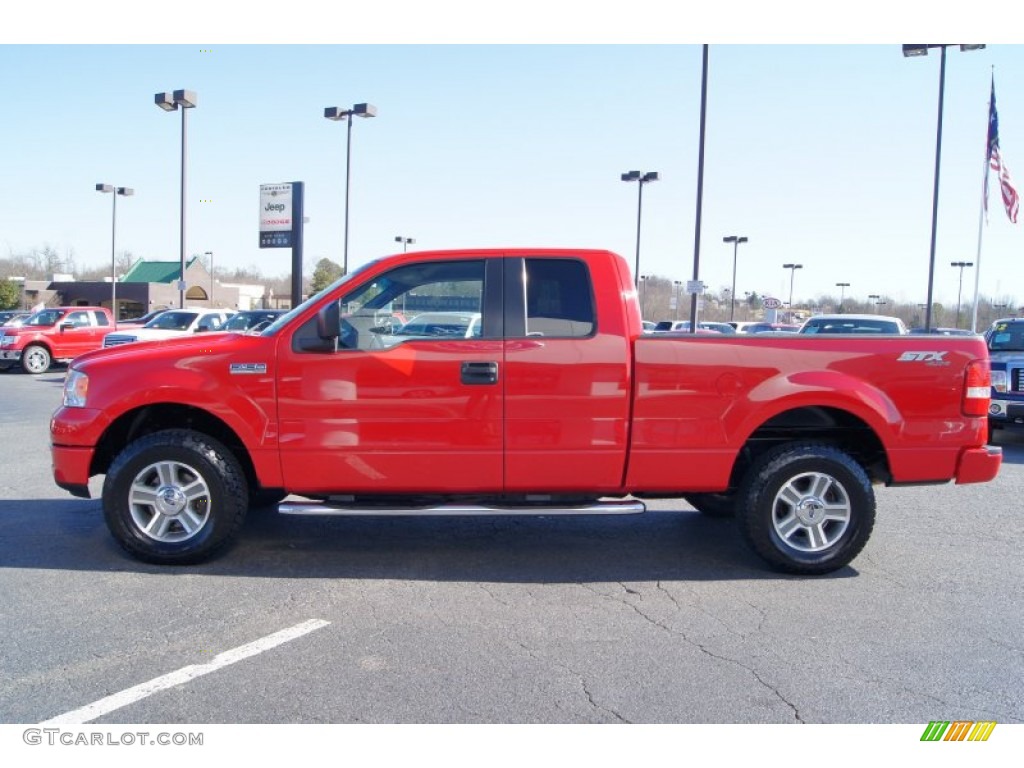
x=819, y=149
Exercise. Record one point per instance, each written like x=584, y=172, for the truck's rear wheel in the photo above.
x=174, y=497
x=806, y=508
x=36, y=359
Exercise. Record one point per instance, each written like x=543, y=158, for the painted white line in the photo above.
x=185, y=674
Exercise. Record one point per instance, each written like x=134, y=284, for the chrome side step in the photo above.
x=446, y=510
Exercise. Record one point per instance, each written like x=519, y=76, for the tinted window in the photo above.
x=559, y=298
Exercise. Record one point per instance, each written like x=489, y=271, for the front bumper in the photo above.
x=71, y=469
x=10, y=354
x=978, y=465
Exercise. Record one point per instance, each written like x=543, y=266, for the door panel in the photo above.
x=397, y=412
x=566, y=382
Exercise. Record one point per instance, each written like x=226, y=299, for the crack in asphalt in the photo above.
x=704, y=649
x=493, y=596
x=582, y=681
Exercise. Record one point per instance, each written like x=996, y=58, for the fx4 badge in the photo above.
x=931, y=358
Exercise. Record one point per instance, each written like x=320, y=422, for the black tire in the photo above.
x=713, y=504
x=806, y=508
x=36, y=359
x=174, y=497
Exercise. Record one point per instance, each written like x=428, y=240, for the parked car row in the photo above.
x=667, y=326
x=60, y=334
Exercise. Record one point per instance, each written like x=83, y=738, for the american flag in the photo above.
x=995, y=161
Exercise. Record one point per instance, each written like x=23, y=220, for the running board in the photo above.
x=447, y=510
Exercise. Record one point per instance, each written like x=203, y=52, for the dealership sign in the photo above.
x=769, y=303
x=277, y=222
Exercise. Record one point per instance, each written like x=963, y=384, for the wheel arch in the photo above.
x=829, y=425
x=156, y=417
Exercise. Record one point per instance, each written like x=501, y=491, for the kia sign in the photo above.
x=769, y=303
x=276, y=219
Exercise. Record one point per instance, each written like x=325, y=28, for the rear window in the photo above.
x=559, y=298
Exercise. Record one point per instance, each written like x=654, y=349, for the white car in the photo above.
x=172, y=324
x=853, y=324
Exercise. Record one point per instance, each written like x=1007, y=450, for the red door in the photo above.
x=412, y=401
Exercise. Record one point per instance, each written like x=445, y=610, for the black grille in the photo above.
x=1017, y=379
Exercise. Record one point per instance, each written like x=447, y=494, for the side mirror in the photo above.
x=66, y=326
x=328, y=322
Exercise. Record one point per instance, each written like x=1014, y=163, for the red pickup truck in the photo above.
x=559, y=404
x=55, y=334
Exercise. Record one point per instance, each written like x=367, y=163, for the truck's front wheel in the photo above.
x=174, y=496
x=806, y=508
x=36, y=359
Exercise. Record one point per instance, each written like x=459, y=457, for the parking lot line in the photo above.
x=185, y=674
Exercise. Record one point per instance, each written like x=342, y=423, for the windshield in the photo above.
x=1006, y=337
x=245, y=321
x=172, y=321
x=284, y=319
x=45, y=317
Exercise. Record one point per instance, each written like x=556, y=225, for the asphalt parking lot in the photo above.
x=660, y=618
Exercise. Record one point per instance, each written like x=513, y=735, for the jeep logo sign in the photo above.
x=276, y=218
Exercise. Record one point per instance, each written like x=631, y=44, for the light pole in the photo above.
x=643, y=295
x=114, y=191
x=960, y=265
x=640, y=179
x=169, y=102
x=922, y=50
x=210, y=254
x=676, y=286
x=873, y=298
x=405, y=241
x=336, y=113
x=735, y=247
x=842, y=294
x=792, y=272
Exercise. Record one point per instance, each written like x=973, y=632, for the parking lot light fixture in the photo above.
x=792, y=271
x=114, y=192
x=732, y=294
x=170, y=102
x=405, y=241
x=959, y=291
x=640, y=178
x=338, y=114
x=210, y=254
x=842, y=294
x=915, y=50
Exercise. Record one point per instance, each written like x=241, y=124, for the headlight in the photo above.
x=76, y=388
x=999, y=380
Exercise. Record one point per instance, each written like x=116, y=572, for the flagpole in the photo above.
x=981, y=216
